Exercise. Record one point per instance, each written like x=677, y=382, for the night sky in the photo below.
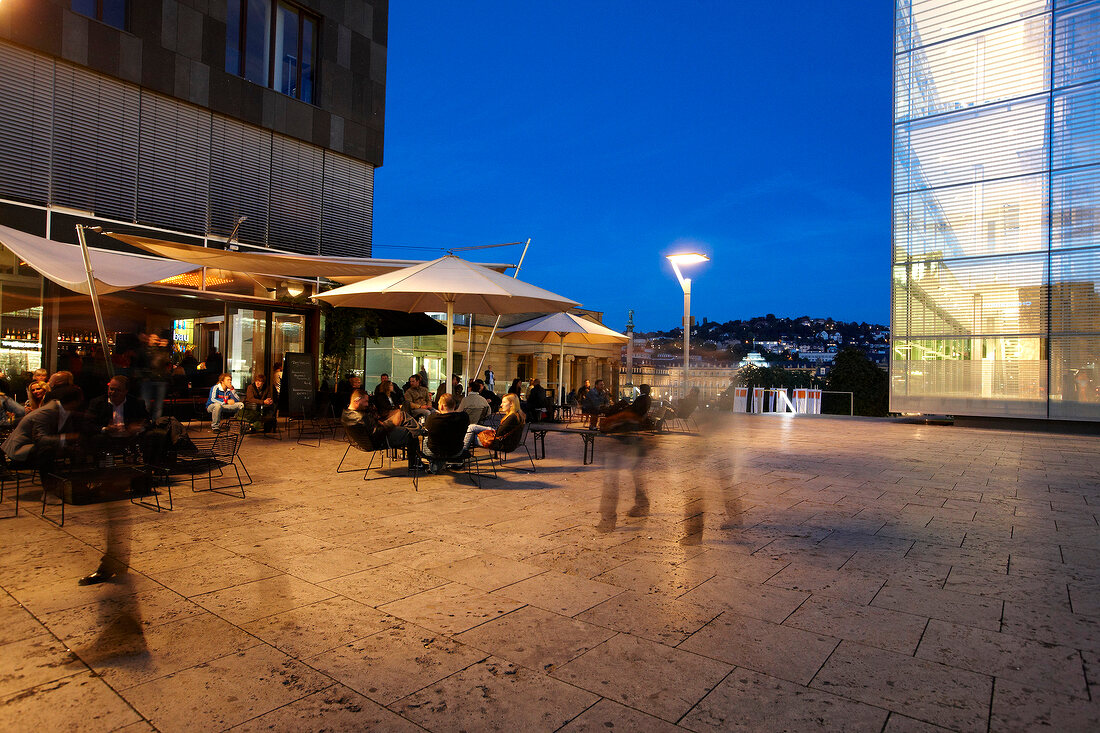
x=613, y=133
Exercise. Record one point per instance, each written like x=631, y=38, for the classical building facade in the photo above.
x=996, y=229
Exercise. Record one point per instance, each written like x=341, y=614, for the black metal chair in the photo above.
x=358, y=437
x=500, y=455
x=680, y=420
x=217, y=453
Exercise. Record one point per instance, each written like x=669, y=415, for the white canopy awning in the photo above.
x=340, y=269
x=64, y=265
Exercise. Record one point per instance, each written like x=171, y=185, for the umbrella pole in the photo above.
x=450, y=342
x=95, y=302
x=496, y=324
x=561, y=371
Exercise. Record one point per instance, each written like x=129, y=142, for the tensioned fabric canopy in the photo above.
x=341, y=269
x=562, y=328
x=64, y=265
x=449, y=283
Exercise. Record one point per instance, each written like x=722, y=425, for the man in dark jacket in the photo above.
x=446, y=433
x=491, y=397
x=119, y=413
x=537, y=403
x=56, y=428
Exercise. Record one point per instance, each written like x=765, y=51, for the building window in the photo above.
x=274, y=44
x=111, y=12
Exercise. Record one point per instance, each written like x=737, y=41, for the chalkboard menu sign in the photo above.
x=298, y=383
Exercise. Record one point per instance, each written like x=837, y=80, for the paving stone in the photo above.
x=486, y=572
x=426, y=554
x=80, y=702
x=1051, y=625
x=393, y=663
x=924, y=690
x=205, y=577
x=749, y=701
x=224, y=692
x=728, y=564
x=560, y=593
x=451, y=608
x=495, y=695
x=609, y=715
x=249, y=601
x=382, y=584
x=1018, y=706
x=333, y=709
x=901, y=724
x=535, y=638
x=645, y=675
x=946, y=605
x=33, y=661
x=311, y=629
x=779, y=651
x=851, y=585
x=750, y=599
x=1041, y=665
x=650, y=616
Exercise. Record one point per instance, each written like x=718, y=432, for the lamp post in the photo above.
x=686, y=258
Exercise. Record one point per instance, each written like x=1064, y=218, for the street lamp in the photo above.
x=686, y=258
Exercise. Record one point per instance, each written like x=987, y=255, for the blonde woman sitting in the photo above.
x=510, y=431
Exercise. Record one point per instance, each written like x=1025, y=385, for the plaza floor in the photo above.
x=788, y=574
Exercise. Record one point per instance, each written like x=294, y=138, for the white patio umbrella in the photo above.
x=562, y=327
x=447, y=284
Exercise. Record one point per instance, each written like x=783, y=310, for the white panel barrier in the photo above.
x=757, y=399
x=740, y=399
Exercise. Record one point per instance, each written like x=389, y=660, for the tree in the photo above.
x=853, y=372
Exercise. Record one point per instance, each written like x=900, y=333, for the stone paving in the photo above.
x=789, y=574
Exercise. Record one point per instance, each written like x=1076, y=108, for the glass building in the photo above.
x=996, y=189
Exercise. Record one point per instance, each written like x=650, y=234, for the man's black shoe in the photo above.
x=99, y=576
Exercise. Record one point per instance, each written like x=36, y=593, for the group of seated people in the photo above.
x=258, y=403
x=391, y=415
x=56, y=422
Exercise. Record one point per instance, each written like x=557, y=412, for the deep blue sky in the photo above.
x=608, y=132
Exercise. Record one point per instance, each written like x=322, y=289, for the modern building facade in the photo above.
x=996, y=209
x=234, y=124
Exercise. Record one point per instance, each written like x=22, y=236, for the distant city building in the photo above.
x=996, y=185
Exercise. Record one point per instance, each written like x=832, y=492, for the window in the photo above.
x=111, y=12
x=274, y=44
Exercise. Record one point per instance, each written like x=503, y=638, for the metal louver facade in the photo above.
x=73, y=138
x=996, y=209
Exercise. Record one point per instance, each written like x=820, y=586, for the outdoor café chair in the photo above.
x=681, y=421
x=218, y=453
x=359, y=438
x=501, y=456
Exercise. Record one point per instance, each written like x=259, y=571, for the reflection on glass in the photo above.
x=286, y=51
x=246, y=346
x=288, y=333
x=309, y=36
x=996, y=192
x=256, y=50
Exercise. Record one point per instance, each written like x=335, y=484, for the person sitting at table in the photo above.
x=516, y=387
x=57, y=379
x=446, y=434
x=223, y=400
x=395, y=392
x=510, y=431
x=537, y=402
x=456, y=386
x=418, y=400
x=473, y=404
x=259, y=402
x=490, y=396
x=36, y=395
x=596, y=400
x=385, y=401
x=439, y=392
x=359, y=398
x=118, y=413
x=54, y=430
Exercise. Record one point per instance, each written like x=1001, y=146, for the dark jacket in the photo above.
x=40, y=429
x=101, y=410
x=254, y=396
x=509, y=434
x=491, y=397
x=446, y=432
x=536, y=398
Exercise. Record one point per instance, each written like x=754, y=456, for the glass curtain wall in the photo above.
x=996, y=246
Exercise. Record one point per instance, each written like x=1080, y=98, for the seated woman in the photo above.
x=386, y=404
x=442, y=390
x=510, y=431
x=516, y=387
x=36, y=395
